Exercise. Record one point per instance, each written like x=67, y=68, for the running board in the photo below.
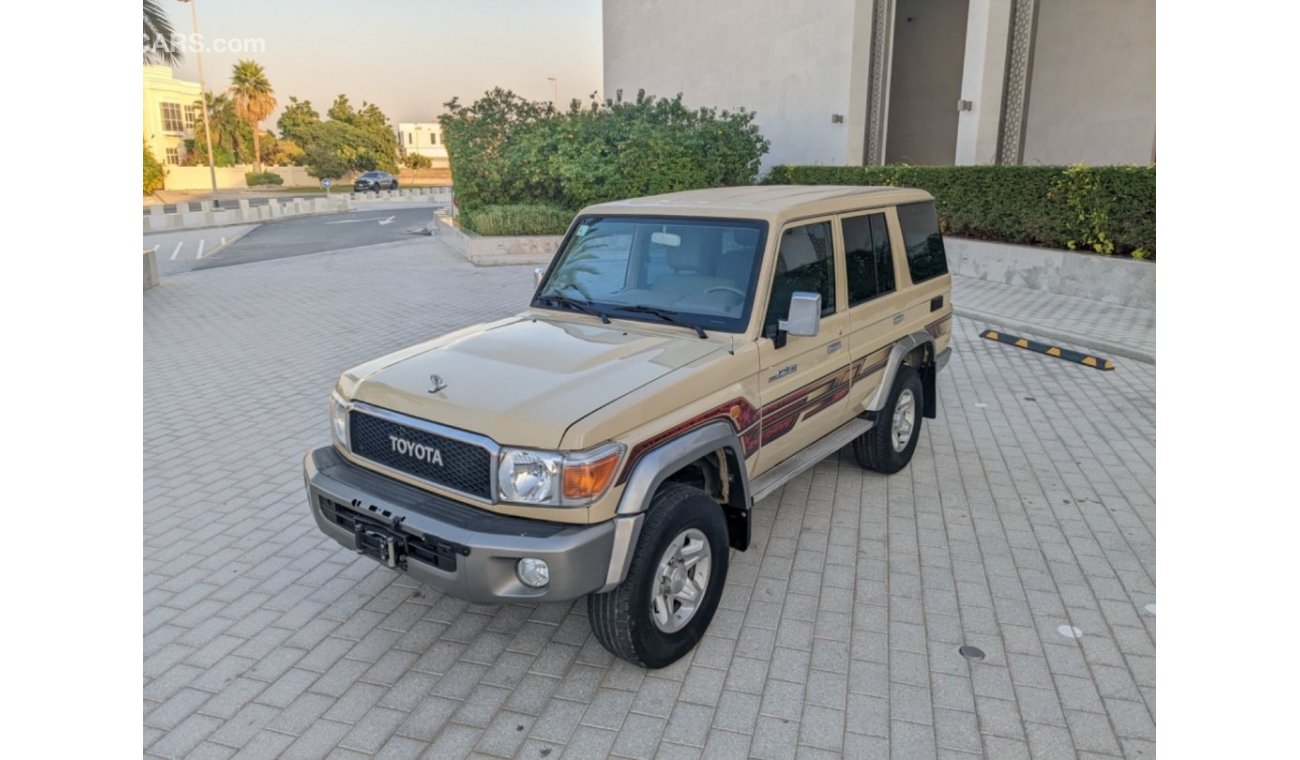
x=791, y=468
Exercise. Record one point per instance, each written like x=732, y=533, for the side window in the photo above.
x=806, y=262
x=868, y=257
x=922, y=241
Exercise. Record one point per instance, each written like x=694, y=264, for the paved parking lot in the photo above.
x=1024, y=527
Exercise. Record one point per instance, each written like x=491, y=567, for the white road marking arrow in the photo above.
x=386, y=221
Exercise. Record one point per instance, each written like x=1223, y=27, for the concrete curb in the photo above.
x=498, y=251
x=1102, y=346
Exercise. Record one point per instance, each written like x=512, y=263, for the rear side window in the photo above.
x=806, y=263
x=868, y=257
x=921, y=238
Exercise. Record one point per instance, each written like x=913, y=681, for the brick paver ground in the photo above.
x=1030, y=505
x=1102, y=324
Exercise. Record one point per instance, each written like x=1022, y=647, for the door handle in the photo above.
x=898, y=319
x=835, y=346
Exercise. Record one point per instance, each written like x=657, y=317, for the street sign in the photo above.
x=326, y=182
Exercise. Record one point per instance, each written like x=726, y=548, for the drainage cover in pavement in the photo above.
x=971, y=653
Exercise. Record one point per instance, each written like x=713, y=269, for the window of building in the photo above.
x=171, y=118
x=806, y=263
x=922, y=241
x=868, y=258
x=173, y=156
x=190, y=117
x=410, y=138
x=433, y=138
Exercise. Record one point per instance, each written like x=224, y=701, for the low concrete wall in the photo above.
x=276, y=208
x=232, y=177
x=1101, y=278
x=150, y=269
x=498, y=251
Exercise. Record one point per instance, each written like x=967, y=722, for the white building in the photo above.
x=423, y=138
x=904, y=81
x=171, y=107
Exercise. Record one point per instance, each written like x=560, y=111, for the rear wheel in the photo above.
x=887, y=447
x=673, y=584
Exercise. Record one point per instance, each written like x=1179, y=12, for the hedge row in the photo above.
x=517, y=219
x=1107, y=209
x=504, y=149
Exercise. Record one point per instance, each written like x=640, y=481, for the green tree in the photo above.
x=338, y=148
x=158, y=36
x=232, y=138
x=254, y=100
x=153, y=172
x=341, y=110
x=297, y=120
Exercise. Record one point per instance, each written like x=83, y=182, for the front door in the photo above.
x=803, y=384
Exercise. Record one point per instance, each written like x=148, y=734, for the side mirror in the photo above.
x=805, y=315
x=538, y=274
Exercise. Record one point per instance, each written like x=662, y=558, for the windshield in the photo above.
x=697, y=272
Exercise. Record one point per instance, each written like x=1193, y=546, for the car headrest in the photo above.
x=689, y=256
x=797, y=248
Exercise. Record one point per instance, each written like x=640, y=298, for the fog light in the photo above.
x=533, y=572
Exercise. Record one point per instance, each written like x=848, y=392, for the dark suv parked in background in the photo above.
x=375, y=181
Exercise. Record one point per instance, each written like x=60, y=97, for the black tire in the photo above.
x=622, y=619
x=875, y=448
x=394, y=187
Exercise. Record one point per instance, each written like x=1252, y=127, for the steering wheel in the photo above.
x=728, y=289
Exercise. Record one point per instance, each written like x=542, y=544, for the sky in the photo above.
x=406, y=56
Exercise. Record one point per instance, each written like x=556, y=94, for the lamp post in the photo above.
x=203, y=99
x=555, y=98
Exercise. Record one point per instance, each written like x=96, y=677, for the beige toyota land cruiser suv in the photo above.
x=683, y=356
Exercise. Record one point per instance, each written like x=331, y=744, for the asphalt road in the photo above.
x=182, y=250
x=313, y=234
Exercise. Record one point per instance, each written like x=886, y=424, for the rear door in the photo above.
x=928, y=303
x=876, y=302
x=803, y=384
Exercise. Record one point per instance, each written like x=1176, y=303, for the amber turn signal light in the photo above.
x=587, y=480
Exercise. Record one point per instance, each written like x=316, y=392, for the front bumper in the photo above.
x=461, y=550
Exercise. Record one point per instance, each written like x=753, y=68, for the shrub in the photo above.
x=417, y=161
x=1107, y=209
x=517, y=219
x=504, y=149
x=153, y=172
x=253, y=179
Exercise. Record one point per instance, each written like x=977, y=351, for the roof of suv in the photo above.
x=763, y=201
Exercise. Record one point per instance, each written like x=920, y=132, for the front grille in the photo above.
x=464, y=467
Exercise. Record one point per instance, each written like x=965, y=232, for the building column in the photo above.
x=988, y=32
x=1015, y=98
x=882, y=38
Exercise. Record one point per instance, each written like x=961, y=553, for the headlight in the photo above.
x=555, y=479
x=339, y=420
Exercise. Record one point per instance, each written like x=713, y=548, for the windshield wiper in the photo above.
x=586, y=307
x=666, y=316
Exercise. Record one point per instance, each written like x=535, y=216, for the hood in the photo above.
x=524, y=381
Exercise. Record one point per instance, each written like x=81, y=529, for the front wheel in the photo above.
x=673, y=584
x=887, y=447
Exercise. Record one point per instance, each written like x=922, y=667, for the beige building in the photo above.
x=170, y=108
x=423, y=138
x=905, y=81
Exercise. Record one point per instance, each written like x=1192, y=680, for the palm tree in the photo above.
x=158, y=36
x=254, y=100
